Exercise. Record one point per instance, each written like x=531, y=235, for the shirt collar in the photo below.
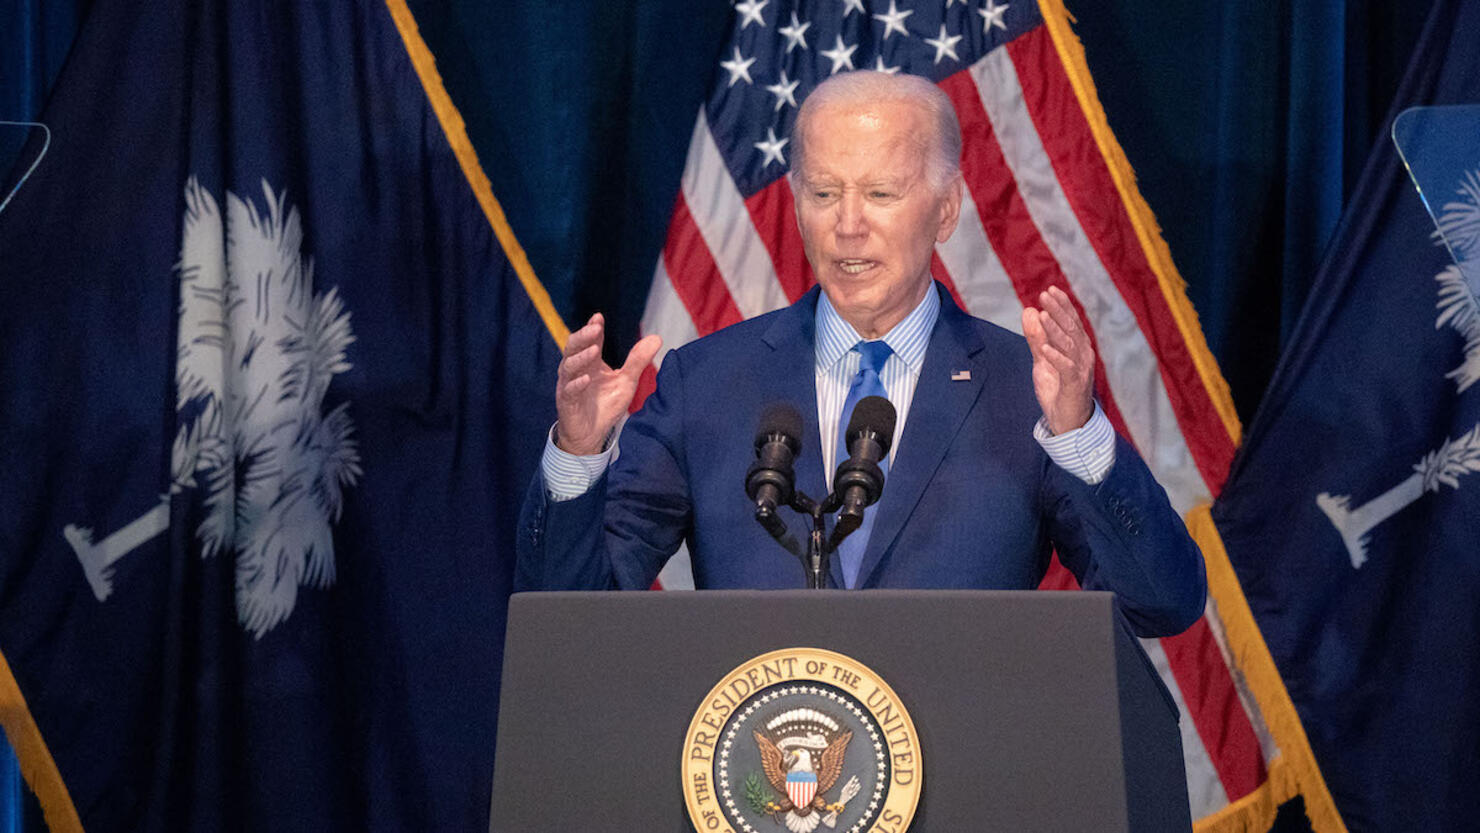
x=908, y=339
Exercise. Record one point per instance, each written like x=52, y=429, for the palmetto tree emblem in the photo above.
x=256, y=351
x=1459, y=229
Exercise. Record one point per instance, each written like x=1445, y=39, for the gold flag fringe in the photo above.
x=1294, y=770
x=457, y=136
x=1173, y=288
x=37, y=766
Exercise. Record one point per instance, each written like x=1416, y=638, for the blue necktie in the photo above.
x=866, y=383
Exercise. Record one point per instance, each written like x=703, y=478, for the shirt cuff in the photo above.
x=1087, y=452
x=568, y=476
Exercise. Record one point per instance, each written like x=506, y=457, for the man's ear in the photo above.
x=950, y=209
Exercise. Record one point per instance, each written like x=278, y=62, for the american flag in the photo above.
x=1050, y=200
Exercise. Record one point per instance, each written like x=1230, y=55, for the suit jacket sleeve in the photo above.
x=1123, y=535
x=620, y=533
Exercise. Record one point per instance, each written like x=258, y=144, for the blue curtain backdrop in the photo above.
x=35, y=37
x=1246, y=125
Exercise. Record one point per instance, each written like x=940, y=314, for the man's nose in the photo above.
x=851, y=222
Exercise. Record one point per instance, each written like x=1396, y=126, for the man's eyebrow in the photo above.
x=883, y=182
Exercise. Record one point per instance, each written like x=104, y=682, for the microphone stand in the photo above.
x=768, y=480
x=815, y=560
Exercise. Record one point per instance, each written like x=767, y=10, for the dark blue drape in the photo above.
x=597, y=101
x=35, y=37
x=1246, y=125
x=10, y=792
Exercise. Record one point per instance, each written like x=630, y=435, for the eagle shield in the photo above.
x=800, y=787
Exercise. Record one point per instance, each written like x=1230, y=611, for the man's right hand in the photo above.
x=590, y=397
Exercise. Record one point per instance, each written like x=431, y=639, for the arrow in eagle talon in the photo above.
x=850, y=789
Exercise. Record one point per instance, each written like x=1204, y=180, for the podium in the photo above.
x=1034, y=711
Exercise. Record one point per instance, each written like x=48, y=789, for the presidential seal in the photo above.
x=806, y=739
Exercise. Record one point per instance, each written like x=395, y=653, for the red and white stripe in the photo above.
x=1041, y=209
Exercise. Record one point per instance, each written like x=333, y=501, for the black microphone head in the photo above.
x=873, y=415
x=782, y=419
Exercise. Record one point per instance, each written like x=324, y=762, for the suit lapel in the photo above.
x=939, y=408
x=791, y=366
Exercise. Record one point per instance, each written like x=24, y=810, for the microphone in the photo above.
x=770, y=482
x=859, y=480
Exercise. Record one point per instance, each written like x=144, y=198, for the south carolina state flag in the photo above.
x=1352, y=511
x=264, y=401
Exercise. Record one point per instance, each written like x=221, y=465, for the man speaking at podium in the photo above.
x=999, y=454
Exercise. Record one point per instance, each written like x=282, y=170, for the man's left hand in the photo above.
x=1063, y=361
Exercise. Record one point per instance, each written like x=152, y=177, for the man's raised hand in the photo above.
x=590, y=396
x=1063, y=361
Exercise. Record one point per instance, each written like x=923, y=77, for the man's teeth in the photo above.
x=853, y=267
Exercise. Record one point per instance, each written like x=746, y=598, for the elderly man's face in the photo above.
x=868, y=215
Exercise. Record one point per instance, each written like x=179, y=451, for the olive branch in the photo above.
x=757, y=796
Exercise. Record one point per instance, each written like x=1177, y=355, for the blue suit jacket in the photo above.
x=971, y=500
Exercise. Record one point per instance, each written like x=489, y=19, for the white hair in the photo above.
x=942, y=149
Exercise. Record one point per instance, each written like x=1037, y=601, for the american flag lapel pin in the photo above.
x=961, y=376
